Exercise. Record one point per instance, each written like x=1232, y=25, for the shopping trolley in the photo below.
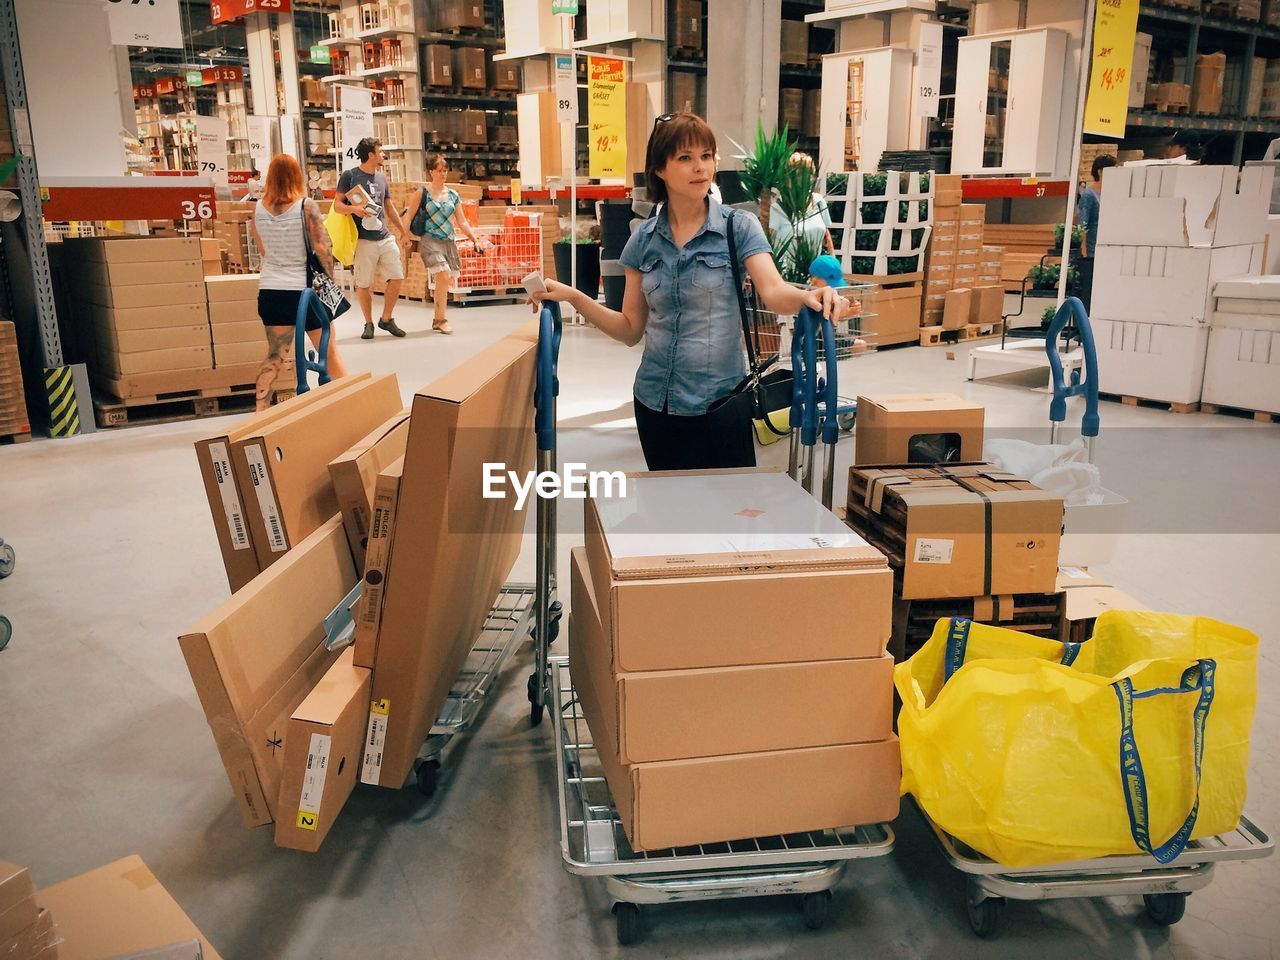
x=592, y=841
x=8, y=559
x=1164, y=888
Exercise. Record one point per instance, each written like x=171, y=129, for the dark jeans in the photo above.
x=1084, y=267
x=673, y=442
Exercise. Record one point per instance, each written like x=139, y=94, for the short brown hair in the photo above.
x=671, y=132
x=434, y=159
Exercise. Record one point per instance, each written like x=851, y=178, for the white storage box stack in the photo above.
x=1168, y=233
x=1243, y=365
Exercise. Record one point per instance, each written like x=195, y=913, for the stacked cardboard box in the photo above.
x=439, y=60
x=687, y=24
x=1167, y=235
x=232, y=228
x=940, y=263
x=1140, y=73
x=13, y=405
x=1242, y=365
x=684, y=91
x=27, y=930
x=1085, y=597
x=1023, y=243
x=235, y=327
x=693, y=699
x=795, y=43
x=454, y=15
x=213, y=256
x=811, y=120
x=504, y=75
x=1270, y=106
x=1090, y=152
x=1207, y=83
x=791, y=102
x=470, y=67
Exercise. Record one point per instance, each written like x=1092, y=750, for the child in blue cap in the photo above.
x=825, y=272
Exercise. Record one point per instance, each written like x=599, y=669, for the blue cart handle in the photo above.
x=830, y=385
x=547, y=382
x=798, y=371
x=809, y=412
x=308, y=303
x=1072, y=308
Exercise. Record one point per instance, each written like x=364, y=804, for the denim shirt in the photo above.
x=693, y=350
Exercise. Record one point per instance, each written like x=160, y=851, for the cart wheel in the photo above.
x=846, y=421
x=7, y=560
x=6, y=632
x=1165, y=909
x=535, y=708
x=627, y=916
x=816, y=906
x=428, y=776
x=984, y=914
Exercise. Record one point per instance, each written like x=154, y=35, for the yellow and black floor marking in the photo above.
x=64, y=412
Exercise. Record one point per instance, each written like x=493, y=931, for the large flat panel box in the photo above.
x=958, y=530
x=711, y=569
x=231, y=288
x=147, y=294
x=355, y=474
x=118, y=910
x=917, y=428
x=1173, y=285
x=452, y=548
x=18, y=908
x=1154, y=361
x=1242, y=368
x=897, y=315
x=1184, y=205
x=714, y=799
x=121, y=250
x=257, y=656
x=683, y=714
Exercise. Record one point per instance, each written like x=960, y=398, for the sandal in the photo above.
x=442, y=326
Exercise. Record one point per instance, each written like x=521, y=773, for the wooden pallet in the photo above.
x=474, y=293
x=185, y=405
x=938, y=337
x=1259, y=416
x=687, y=53
x=7, y=438
x=1038, y=614
x=1171, y=406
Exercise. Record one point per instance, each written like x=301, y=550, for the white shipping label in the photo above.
x=933, y=551
x=313, y=778
x=374, y=742
x=230, y=495
x=266, y=498
x=1074, y=573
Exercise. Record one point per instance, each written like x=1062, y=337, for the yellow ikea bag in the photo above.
x=1034, y=752
x=342, y=236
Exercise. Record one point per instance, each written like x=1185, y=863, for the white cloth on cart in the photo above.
x=1062, y=468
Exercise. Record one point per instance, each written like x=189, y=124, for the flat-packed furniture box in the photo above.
x=504, y=75
x=453, y=14
x=1154, y=361
x=452, y=548
x=258, y=655
x=37, y=941
x=687, y=23
x=897, y=315
x=469, y=67
x=1207, y=83
x=714, y=573
x=227, y=500
x=917, y=428
x=18, y=908
x=684, y=91
x=285, y=463
x=322, y=755
x=1242, y=366
x=439, y=71
x=377, y=559
x=118, y=910
x=724, y=797
x=355, y=476
x=958, y=530
x=13, y=403
x=234, y=324
x=1173, y=285
x=1184, y=205
x=1084, y=599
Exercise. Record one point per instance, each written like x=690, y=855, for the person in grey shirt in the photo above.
x=1087, y=215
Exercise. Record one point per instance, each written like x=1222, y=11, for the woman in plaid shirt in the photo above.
x=432, y=215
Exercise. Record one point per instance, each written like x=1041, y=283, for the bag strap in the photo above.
x=1132, y=777
x=752, y=362
x=958, y=645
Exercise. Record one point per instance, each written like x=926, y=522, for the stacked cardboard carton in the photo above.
x=27, y=930
x=1270, y=105
x=1090, y=152
x=234, y=325
x=694, y=699
x=1207, y=83
x=1167, y=234
x=958, y=292
x=687, y=35
x=455, y=15
x=13, y=404
x=794, y=43
x=232, y=228
x=1140, y=73
x=1024, y=244
x=213, y=257
x=470, y=67
x=791, y=108
x=940, y=263
x=1242, y=366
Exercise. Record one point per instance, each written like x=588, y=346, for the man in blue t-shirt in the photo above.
x=362, y=194
x=1087, y=215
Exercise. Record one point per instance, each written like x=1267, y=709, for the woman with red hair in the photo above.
x=278, y=221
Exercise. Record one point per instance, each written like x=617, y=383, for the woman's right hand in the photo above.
x=557, y=291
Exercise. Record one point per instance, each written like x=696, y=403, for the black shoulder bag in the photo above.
x=733, y=418
x=324, y=286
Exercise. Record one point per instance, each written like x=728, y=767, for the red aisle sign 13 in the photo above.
x=221, y=11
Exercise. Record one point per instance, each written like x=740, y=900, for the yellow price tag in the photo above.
x=307, y=821
x=381, y=707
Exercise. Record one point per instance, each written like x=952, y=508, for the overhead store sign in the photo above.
x=128, y=198
x=222, y=75
x=566, y=91
x=211, y=148
x=567, y=7
x=195, y=78
x=144, y=91
x=319, y=54
x=1115, y=25
x=928, y=69
x=607, y=117
x=355, y=122
x=222, y=11
x=167, y=86
x=144, y=23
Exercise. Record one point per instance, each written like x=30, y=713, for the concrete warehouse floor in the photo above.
x=105, y=751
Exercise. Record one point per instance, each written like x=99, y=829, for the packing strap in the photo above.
x=958, y=645
x=988, y=523
x=1132, y=777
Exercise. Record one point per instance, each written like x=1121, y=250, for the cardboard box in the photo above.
x=222, y=491
x=160, y=338
x=460, y=13
x=707, y=601
x=149, y=318
x=987, y=304
x=120, y=250
x=1174, y=284
x=239, y=331
x=917, y=427
x=959, y=304
x=897, y=315
x=286, y=462
x=235, y=354
x=505, y=75
x=1140, y=70
x=1242, y=367
x=1184, y=205
x=133, y=274
x=116, y=910
x=1085, y=598
x=377, y=560
x=972, y=214
x=683, y=714
x=474, y=127
x=794, y=43
x=147, y=294
x=1206, y=85
x=255, y=658
x=18, y=909
x=469, y=67
x=452, y=549
x=687, y=31
x=355, y=477
x=38, y=941
x=439, y=64
x=684, y=802
x=243, y=287
x=959, y=530
x=234, y=311
x=113, y=364
x=322, y=755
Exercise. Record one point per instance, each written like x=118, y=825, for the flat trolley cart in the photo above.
x=592, y=839
x=1164, y=888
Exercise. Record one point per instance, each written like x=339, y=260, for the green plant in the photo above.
x=1059, y=229
x=1044, y=277
x=873, y=212
x=1046, y=318
x=863, y=265
x=837, y=185
x=925, y=180
x=909, y=264
x=917, y=238
x=766, y=168
x=875, y=184
x=866, y=240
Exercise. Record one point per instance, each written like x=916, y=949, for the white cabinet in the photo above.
x=866, y=107
x=1009, y=103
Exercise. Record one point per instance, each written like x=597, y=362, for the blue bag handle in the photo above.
x=1073, y=308
x=809, y=415
x=798, y=372
x=303, y=361
x=958, y=645
x=829, y=384
x=546, y=386
x=1134, y=780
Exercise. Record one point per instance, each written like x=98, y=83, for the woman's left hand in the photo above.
x=828, y=302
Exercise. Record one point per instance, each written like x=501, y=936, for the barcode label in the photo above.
x=266, y=499
x=375, y=741
x=231, y=508
x=313, y=778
